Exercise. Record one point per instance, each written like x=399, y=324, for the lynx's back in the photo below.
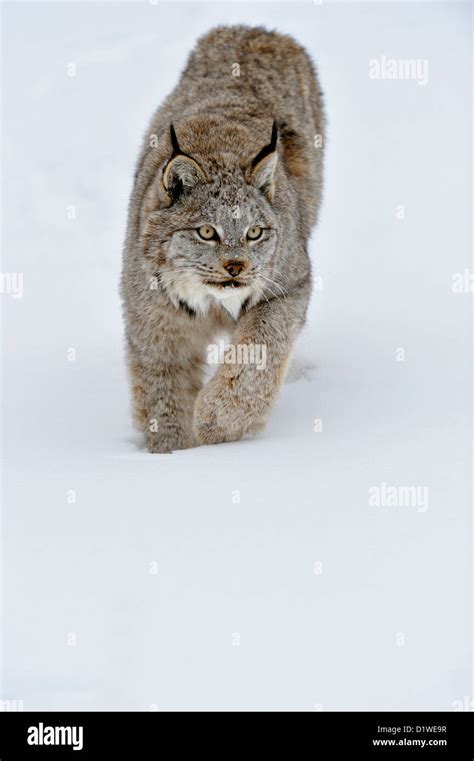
x=254, y=73
x=237, y=81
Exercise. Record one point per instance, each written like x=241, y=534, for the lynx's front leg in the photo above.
x=238, y=399
x=164, y=394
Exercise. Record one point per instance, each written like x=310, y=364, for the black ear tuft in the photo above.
x=274, y=137
x=174, y=142
x=181, y=172
x=270, y=148
x=263, y=166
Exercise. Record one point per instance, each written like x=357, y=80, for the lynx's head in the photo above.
x=218, y=232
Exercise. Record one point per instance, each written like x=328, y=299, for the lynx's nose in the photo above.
x=234, y=267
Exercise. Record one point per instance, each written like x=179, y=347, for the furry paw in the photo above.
x=165, y=442
x=219, y=415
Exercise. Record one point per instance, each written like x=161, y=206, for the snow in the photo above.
x=140, y=582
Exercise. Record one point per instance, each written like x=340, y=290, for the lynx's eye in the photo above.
x=254, y=232
x=207, y=232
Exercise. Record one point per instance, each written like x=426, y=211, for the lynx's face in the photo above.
x=219, y=233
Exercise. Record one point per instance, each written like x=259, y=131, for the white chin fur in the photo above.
x=200, y=297
x=232, y=299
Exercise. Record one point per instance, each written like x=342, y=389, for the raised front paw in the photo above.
x=219, y=414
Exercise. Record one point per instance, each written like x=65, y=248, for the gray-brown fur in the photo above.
x=222, y=122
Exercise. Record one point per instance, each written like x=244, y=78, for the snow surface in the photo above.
x=155, y=589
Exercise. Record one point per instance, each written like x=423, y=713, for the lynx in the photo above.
x=226, y=191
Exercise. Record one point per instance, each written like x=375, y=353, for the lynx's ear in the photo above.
x=182, y=172
x=263, y=166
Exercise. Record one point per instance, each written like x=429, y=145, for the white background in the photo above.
x=386, y=625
